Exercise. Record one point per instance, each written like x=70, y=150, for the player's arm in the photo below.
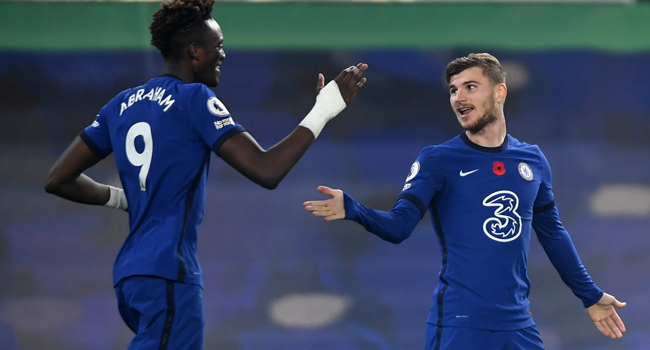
x=66, y=178
x=560, y=250
x=393, y=226
x=268, y=167
x=601, y=307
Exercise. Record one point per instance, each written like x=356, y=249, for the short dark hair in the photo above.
x=178, y=23
x=490, y=65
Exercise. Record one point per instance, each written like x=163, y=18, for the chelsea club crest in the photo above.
x=525, y=171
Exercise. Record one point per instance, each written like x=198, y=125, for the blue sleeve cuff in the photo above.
x=92, y=145
x=349, y=204
x=590, y=302
x=225, y=136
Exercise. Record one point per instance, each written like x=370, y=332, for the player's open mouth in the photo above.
x=465, y=110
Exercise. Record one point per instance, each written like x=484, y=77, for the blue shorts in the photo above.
x=462, y=338
x=163, y=314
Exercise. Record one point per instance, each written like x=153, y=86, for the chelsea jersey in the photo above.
x=162, y=134
x=483, y=203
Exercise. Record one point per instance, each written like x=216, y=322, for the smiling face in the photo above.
x=209, y=55
x=475, y=99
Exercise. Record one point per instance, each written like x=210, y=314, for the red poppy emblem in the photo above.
x=499, y=168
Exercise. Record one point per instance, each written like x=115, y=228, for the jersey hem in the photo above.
x=187, y=280
x=514, y=327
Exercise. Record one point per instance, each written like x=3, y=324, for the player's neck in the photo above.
x=179, y=70
x=492, y=135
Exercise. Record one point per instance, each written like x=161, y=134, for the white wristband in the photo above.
x=117, y=199
x=329, y=103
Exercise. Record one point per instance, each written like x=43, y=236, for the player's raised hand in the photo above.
x=350, y=81
x=331, y=209
x=605, y=317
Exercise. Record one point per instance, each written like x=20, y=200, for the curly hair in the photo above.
x=177, y=23
x=490, y=65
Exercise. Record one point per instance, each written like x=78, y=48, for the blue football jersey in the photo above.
x=161, y=134
x=483, y=203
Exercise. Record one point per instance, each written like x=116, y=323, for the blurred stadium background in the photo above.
x=275, y=277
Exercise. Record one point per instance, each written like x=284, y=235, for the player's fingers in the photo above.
x=358, y=85
x=353, y=79
x=320, y=210
x=612, y=325
x=350, y=74
x=325, y=190
x=361, y=83
x=329, y=191
x=333, y=217
x=314, y=211
x=608, y=330
x=359, y=70
x=313, y=204
x=619, y=322
x=619, y=304
x=601, y=328
x=321, y=213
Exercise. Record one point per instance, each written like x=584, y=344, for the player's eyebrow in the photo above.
x=471, y=82
x=465, y=83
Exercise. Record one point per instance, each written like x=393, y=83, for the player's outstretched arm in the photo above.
x=66, y=178
x=393, y=226
x=331, y=209
x=605, y=317
x=267, y=168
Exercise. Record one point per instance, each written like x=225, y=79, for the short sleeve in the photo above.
x=545, y=196
x=97, y=135
x=423, y=181
x=210, y=118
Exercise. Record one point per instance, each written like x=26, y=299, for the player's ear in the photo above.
x=500, y=92
x=195, y=52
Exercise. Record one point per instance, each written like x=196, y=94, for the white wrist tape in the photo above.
x=117, y=199
x=329, y=103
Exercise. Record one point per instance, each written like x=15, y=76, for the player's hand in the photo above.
x=349, y=81
x=331, y=209
x=604, y=315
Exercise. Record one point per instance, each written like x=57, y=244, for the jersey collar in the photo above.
x=472, y=145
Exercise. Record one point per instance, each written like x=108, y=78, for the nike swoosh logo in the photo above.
x=467, y=173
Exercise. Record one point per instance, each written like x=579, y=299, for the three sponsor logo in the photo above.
x=505, y=225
